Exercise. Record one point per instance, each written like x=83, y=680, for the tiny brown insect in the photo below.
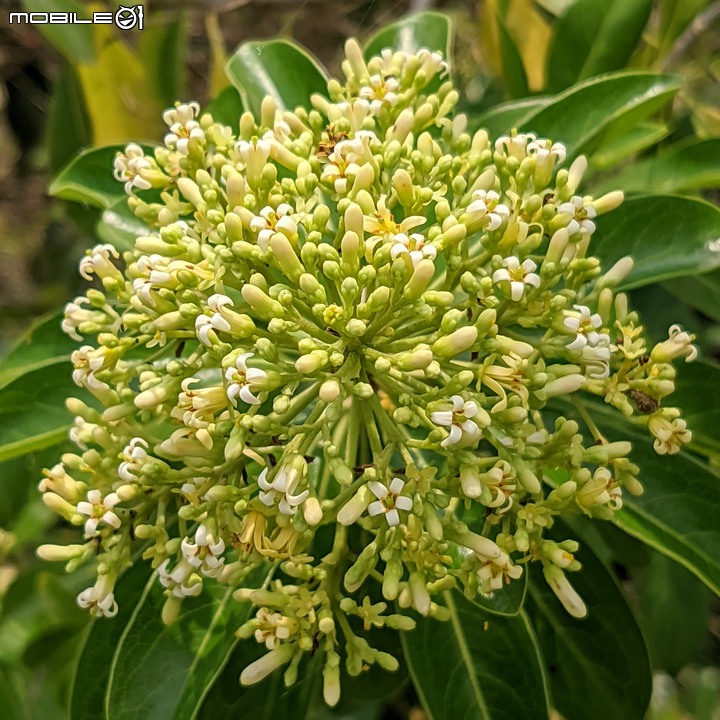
x=644, y=404
x=643, y=360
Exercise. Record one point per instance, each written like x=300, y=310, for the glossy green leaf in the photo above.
x=68, y=127
x=32, y=410
x=89, y=178
x=587, y=114
x=668, y=236
x=74, y=40
x=620, y=147
x=277, y=68
x=120, y=227
x=595, y=37
x=674, y=611
x=41, y=345
x=698, y=395
x=701, y=292
x=513, y=68
x=429, y=30
x=38, y=604
x=149, y=669
x=598, y=667
x=162, y=47
x=227, y=107
x=504, y=117
x=678, y=512
x=691, y=165
x=477, y=666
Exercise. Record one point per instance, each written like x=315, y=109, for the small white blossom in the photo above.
x=270, y=221
x=98, y=509
x=585, y=325
x=380, y=91
x=515, y=146
x=346, y=158
x=678, y=344
x=458, y=417
x=389, y=500
x=415, y=246
x=241, y=378
x=134, y=455
x=205, y=554
x=182, y=581
x=282, y=487
x=669, y=430
x=487, y=203
x=97, y=260
x=183, y=126
x=580, y=216
x=129, y=167
x=518, y=275
x=100, y=599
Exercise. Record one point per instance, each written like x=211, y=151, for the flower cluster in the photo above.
x=355, y=347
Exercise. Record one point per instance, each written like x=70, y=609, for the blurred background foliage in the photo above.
x=79, y=87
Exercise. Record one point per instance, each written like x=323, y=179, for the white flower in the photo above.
x=129, y=166
x=183, y=126
x=134, y=455
x=346, y=158
x=254, y=154
x=414, y=245
x=205, y=553
x=97, y=260
x=497, y=572
x=669, y=430
x=487, y=203
x=678, y=344
x=580, y=214
x=100, y=599
x=87, y=361
x=515, y=146
x=182, y=580
x=283, y=486
x=517, y=275
x=432, y=62
x=546, y=150
x=382, y=226
x=241, y=378
x=270, y=221
x=98, y=509
x=380, y=91
x=273, y=628
x=389, y=500
x=458, y=418
x=597, y=359
x=585, y=326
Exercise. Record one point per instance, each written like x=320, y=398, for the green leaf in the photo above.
x=587, y=114
x=277, y=68
x=37, y=605
x=697, y=394
x=668, y=236
x=687, y=166
x=68, y=126
x=513, y=68
x=89, y=178
x=74, y=40
x=41, y=345
x=120, y=227
x=429, y=30
x=677, y=514
x=226, y=107
x=620, y=147
x=595, y=37
x=148, y=669
x=32, y=410
x=504, y=117
x=598, y=667
x=674, y=610
x=477, y=665
x=701, y=292
x=162, y=48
